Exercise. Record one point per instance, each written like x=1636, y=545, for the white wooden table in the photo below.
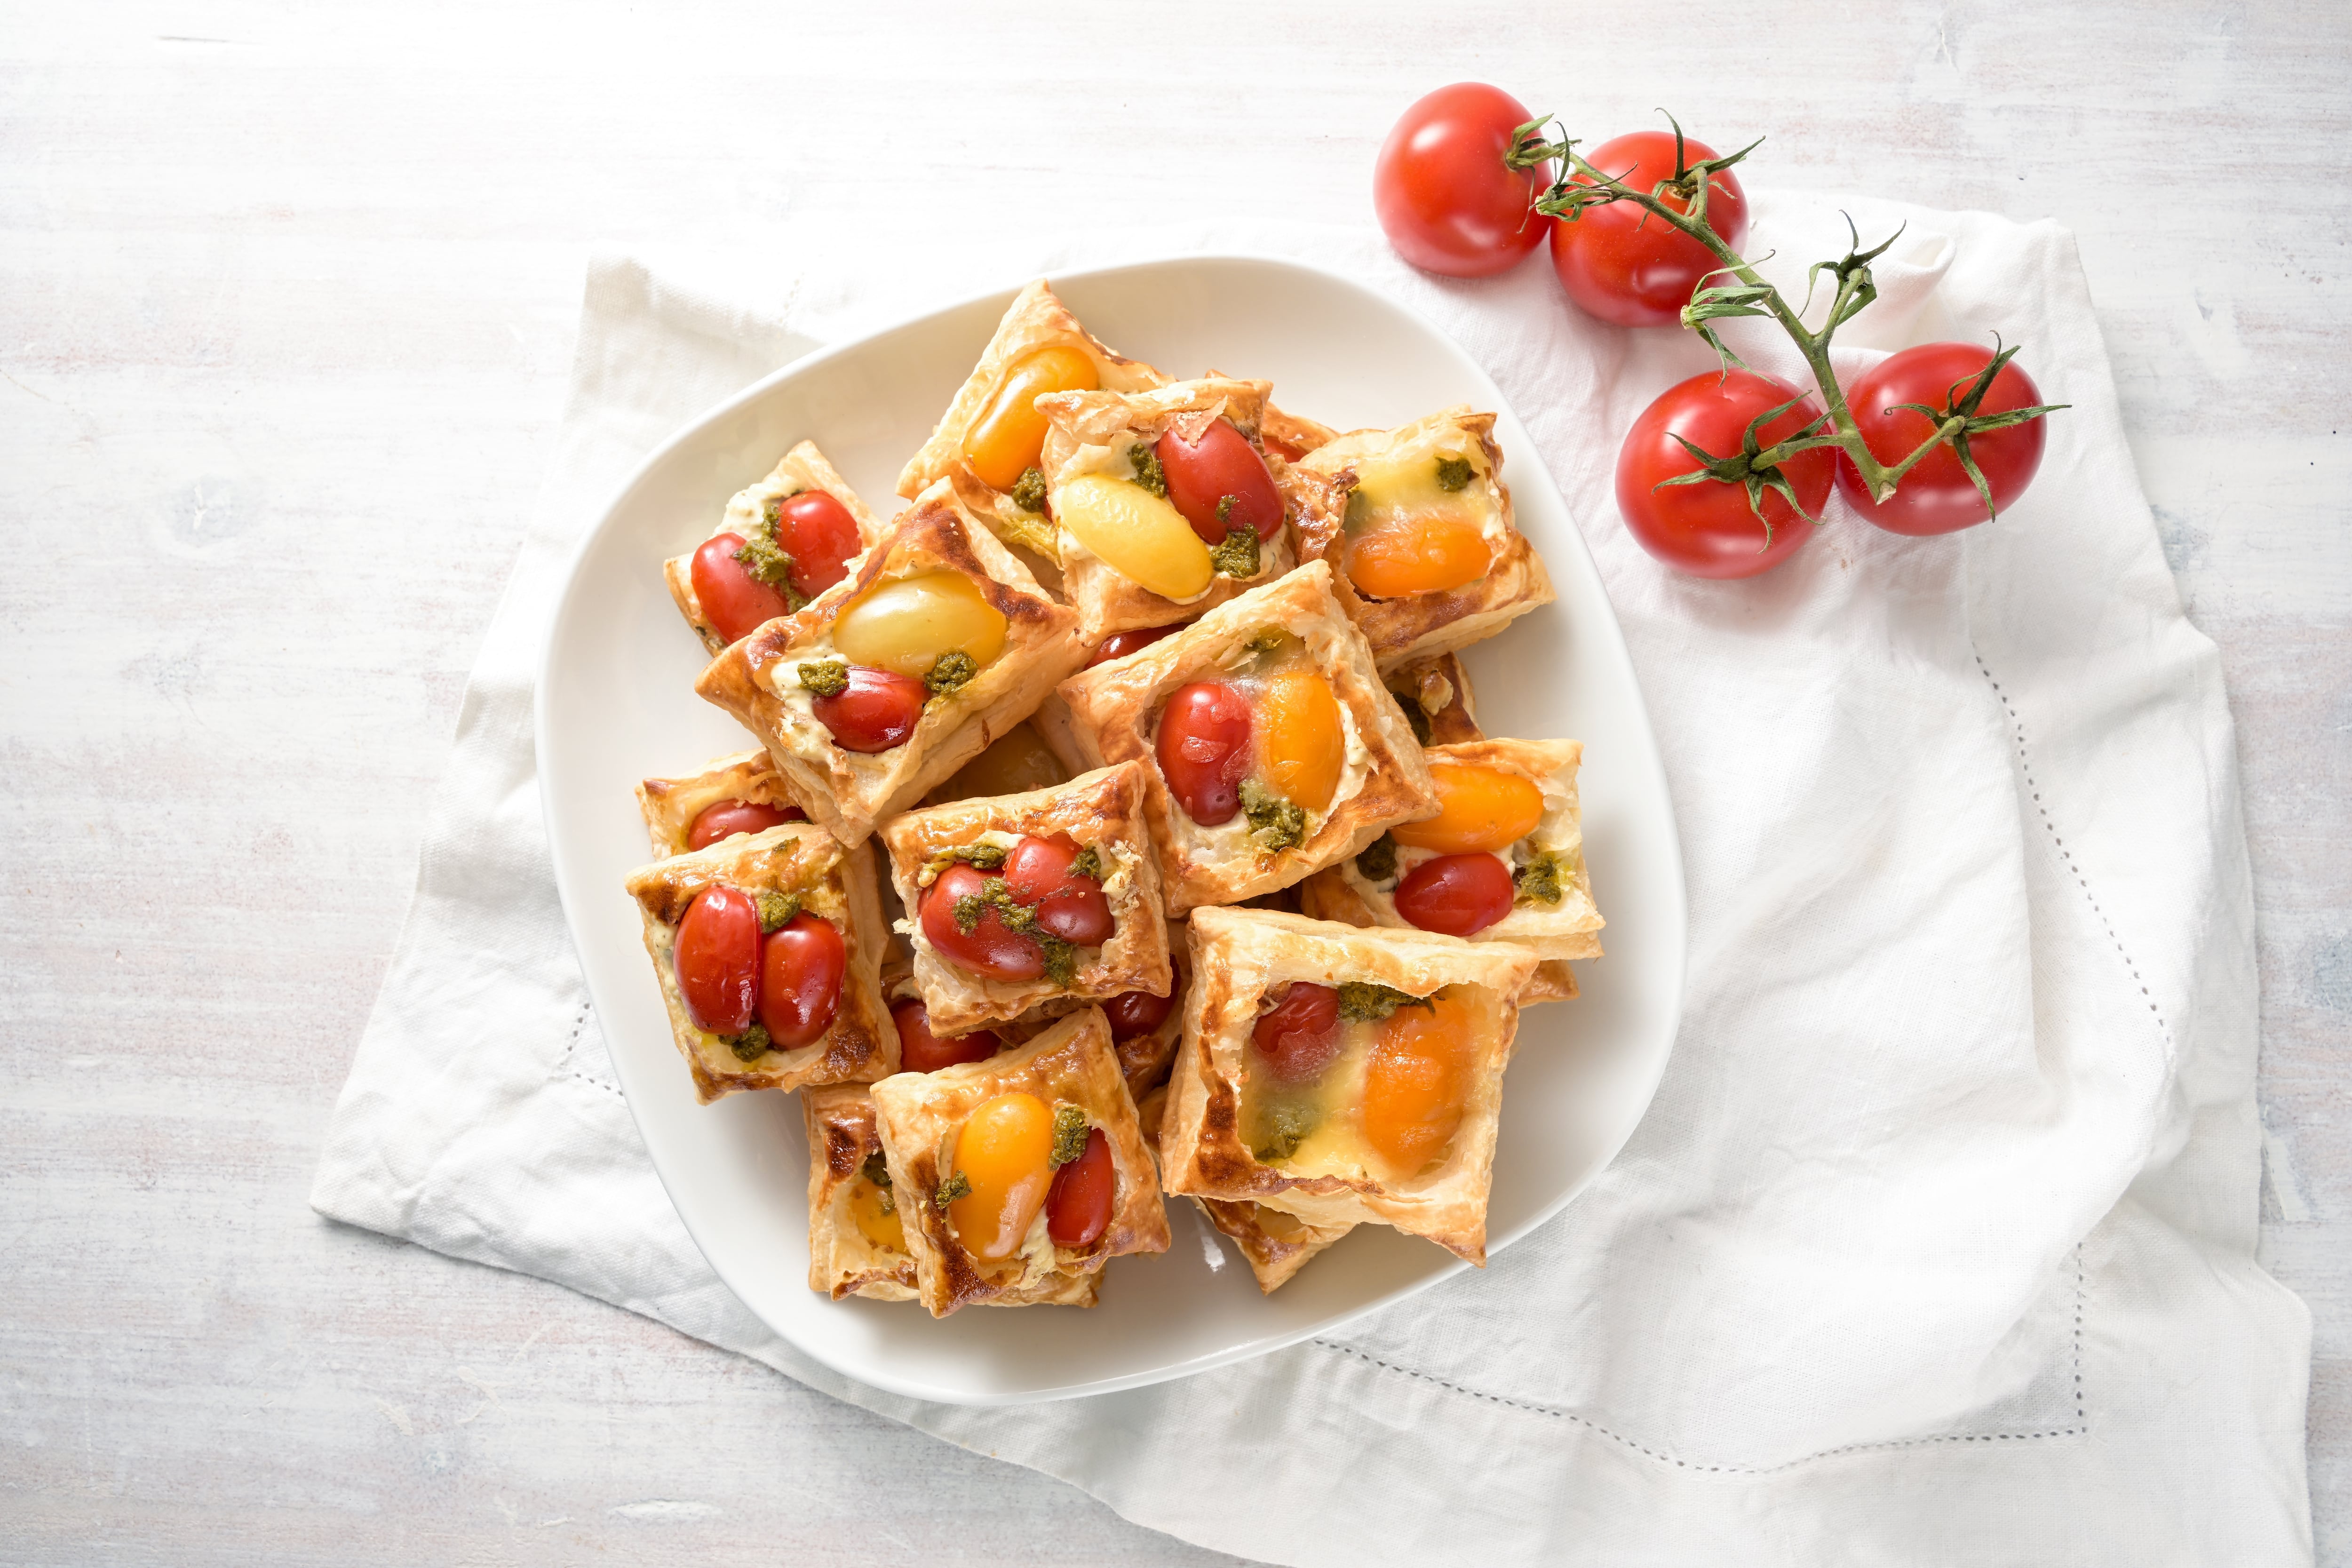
x=286, y=306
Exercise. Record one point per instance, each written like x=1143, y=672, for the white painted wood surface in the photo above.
x=286, y=304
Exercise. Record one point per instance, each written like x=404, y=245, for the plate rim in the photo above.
x=1673, y=874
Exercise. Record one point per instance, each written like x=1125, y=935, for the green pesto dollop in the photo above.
x=1238, y=556
x=1539, y=881
x=1368, y=1002
x=1378, y=860
x=825, y=677
x=1275, y=823
x=1070, y=1129
x=751, y=1045
x=777, y=911
x=1029, y=490
x=1145, y=455
x=1453, y=472
x=948, y=671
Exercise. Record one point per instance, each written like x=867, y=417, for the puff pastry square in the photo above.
x=1098, y=433
x=1554, y=918
x=1274, y=1244
x=670, y=806
x=1434, y=692
x=1101, y=811
x=754, y=508
x=760, y=681
x=1358, y=477
x=1297, y=623
x=833, y=882
x=1217, y=1142
x=921, y=1115
x=857, y=1244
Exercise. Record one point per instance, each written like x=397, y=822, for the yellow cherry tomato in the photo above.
x=1135, y=533
x=1006, y=1151
x=1015, y=762
x=1417, y=1080
x=1423, y=553
x=1010, y=433
x=876, y=1225
x=906, y=623
x=1301, y=746
x=1480, y=811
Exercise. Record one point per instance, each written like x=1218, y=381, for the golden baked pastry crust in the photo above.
x=1081, y=424
x=1239, y=956
x=1420, y=623
x=1115, y=712
x=670, y=806
x=843, y=1260
x=1434, y=692
x=1274, y=1244
x=836, y=884
x=1555, y=933
x=757, y=680
x=1035, y=319
x=1102, y=810
x=801, y=469
x=919, y=1113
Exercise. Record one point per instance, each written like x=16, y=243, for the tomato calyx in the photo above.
x=1755, y=466
x=1959, y=420
x=1581, y=185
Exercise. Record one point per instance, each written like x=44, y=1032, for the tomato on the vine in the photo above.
x=1707, y=527
x=1443, y=189
x=1937, y=496
x=1624, y=265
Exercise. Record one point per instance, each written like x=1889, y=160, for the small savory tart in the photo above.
x=1046, y=900
x=857, y=1243
x=769, y=950
x=896, y=676
x=1416, y=521
x=1434, y=692
x=1163, y=502
x=780, y=543
x=991, y=428
x=1343, y=1075
x=1502, y=862
x=1021, y=1173
x=1274, y=1244
x=1272, y=748
x=739, y=794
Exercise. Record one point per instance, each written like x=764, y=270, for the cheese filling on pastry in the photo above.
x=1557, y=839
x=1423, y=517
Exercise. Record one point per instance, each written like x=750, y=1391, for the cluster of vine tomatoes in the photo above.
x=1455, y=199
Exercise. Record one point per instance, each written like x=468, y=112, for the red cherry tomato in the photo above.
x=988, y=948
x=1078, y=1205
x=1456, y=894
x=735, y=603
x=1619, y=263
x=718, y=960
x=1118, y=645
x=1204, y=750
x=1301, y=1037
x=819, y=534
x=1069, y=905
x=1707, y=528
x=919, y=1050
x=1442, y=192
x=874, y=712
x=801, y=966
x=1220, y=466
x=1937, y=495
x=1135, y=1014
x=729, y=818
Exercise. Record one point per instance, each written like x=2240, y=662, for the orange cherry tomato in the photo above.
x=1427, y=553
x=1417, y=1080
x=1456, y=895
x=727, y=818
x=919, y=1050
x=1078, y=1206
x=735, y=603
x=1300, y=1036
x=1005, y=1151
x=1220, y=466
x=1203, y=749
x=1007, y=438
x=1301, y=744
x=801, y=966
x=1479, y=809
x=718, y=960
x=877, y=711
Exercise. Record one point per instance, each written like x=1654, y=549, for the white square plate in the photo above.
x=617, y=703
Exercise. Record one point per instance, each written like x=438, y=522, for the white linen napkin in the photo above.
x=1937, y=1243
